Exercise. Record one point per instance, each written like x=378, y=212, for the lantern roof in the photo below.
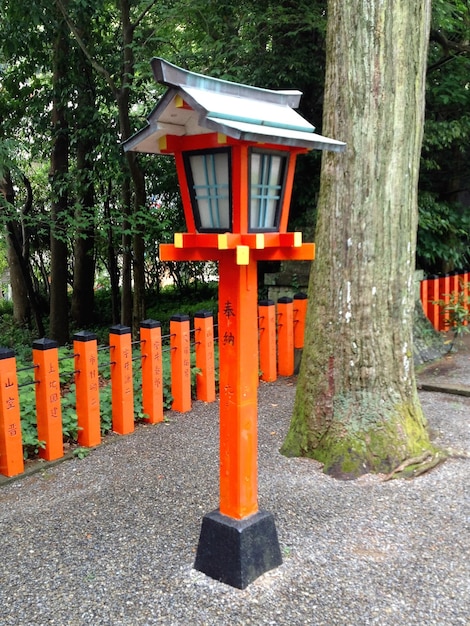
x=195, y=104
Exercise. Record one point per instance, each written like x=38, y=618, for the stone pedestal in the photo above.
x=236, y=552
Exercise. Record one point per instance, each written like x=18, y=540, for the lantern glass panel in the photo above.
x=267, y=177
x=209, y=183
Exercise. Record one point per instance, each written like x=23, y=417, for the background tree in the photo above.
x=115, y=212
x=86, y=140
x=356, y=406
x=59, y=309
x=444, y=201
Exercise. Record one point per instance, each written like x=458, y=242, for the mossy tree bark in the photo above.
x=356, y=407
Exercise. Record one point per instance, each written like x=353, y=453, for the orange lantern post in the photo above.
x=235, y=148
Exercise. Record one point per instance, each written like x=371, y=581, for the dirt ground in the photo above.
x=453, y=368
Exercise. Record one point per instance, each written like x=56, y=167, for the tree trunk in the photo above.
x=59, y=314
x=84, y=260
x=126, y=274
x=113, y=268
x=22, y=289
x=356, y=407
x=19, y=292
x=136, y=172
x=121, y=93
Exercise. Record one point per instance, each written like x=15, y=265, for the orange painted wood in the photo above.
x=11, y=444
x=455, y=280
x=465, y=281
x=152, y=370
x=267, y=340
x=204, y=347
x=180, y=143
x=238, y=353
x=168, y=252
x=305, y=252
x=434, y=297
x=180, y=363
x=285, y=336
x=300, y=313
x=287, y=192
x=240, y=188
x=444, y=295
x=120, y=352
x=87, y=388
x=48, y=405
x=424, y=296
x=201, y=240
x=277, y=240
x=185, y=195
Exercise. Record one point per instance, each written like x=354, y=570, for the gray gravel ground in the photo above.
x=111, y=539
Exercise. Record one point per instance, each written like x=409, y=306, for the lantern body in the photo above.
x=233, y=187
x=235, y=149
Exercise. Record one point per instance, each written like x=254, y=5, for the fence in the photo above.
x=439, y=292
x=281, y=332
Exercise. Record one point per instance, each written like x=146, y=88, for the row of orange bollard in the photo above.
x=440, y=289
x=287, y=323
x=281, y=329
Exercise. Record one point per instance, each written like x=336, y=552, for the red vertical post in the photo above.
x=444, y=295
x=267, y=340
x=48, y=406
x=434, y=297
x=180, y=363
x=455, y=280
x=424, y=296
x=204, y=346
x=85, y=347
x=238, y=352
x=300, y=313
x=11, y=444
x=120, y=346
x=152, y=370
x=465, y=278
x=285, y=336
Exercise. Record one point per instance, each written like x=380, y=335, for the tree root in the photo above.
x=421, y=464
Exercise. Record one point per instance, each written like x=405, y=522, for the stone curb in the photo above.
x=456, y=390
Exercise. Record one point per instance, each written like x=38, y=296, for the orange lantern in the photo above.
x=235, y=148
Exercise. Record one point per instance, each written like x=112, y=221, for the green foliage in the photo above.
x=444, y=225
x=27, y=395
x=443, y=235
x=81, y=453
x=455, y=309
x=277, y=45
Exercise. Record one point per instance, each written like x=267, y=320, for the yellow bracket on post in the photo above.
x=243, y=255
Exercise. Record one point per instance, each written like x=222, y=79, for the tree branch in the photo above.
x=143, y=14
x=451, y=49
x=96, y=66
x=447, y=44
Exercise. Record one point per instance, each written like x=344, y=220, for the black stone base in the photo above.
x=236, y=552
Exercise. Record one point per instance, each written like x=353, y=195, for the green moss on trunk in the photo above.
x=366, y=434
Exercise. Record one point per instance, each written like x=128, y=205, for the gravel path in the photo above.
x=111, y=539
